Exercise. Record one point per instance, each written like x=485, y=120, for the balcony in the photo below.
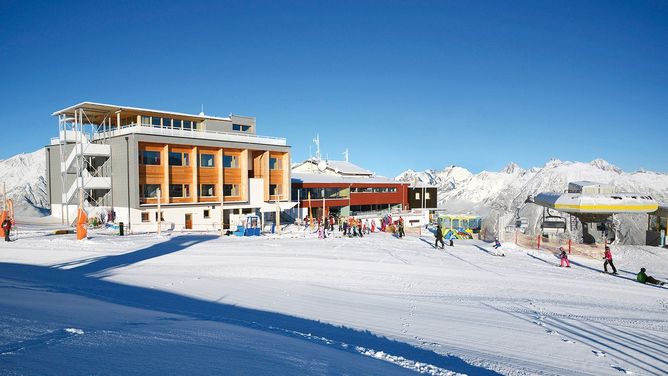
x=192, y=133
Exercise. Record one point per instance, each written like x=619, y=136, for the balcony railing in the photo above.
x=192, y=133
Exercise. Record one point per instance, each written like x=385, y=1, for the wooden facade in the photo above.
x=203, y=182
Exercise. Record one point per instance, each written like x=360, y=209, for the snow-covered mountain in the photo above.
x=25, y=181
x=500, y=194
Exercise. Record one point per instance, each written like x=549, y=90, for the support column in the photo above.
x=165, y=180
x=194, y=164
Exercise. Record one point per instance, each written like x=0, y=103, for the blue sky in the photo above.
x=401, y=84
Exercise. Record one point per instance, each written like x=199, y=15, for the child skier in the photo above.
x=7, y=227
x=564, y=258
x=608, y=261
x=497, y=248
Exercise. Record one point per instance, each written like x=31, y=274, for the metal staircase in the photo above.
x=85, y=166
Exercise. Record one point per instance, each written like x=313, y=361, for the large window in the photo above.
x=230, y=190
x=206, y=160
x=207, y=190
x=187, y=125
x=179, y=190
x=151, y=190
x=151, y=157
x=275, y=164
x=179, y=159
x=155, y=121
x=230, y=161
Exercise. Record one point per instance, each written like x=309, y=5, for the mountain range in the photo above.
x=499, y=196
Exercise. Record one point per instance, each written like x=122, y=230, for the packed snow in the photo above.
x=295, y=304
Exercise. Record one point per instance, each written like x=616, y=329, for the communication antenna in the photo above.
x=202, y=113
x=345, y=154
x=316, y=141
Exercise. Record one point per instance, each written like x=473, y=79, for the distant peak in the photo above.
x=554, y=162
x=605, y=165
x=512, y=168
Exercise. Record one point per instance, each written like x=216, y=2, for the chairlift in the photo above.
x=553, y=224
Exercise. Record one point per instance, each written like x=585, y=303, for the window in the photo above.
x=179, y=190
x=275, y=164
x=155, y=121
x=274, y=189
x=207, y=213
x=207, y=190
x=187, y=125
x=206, y=160
x=162, y=216
x=151, y=190
x=179, y=159
x=166, y=123
x=145, y=120
x=151, y=157
x=240, y=127
x=176, y=124
x=426, y=195
x=144, y=217
x=230, y=161
x=417, y=195
x=230, y=189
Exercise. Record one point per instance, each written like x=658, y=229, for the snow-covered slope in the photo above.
x=494, y=194
x=24, y=178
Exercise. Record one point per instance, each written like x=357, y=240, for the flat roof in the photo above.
x=102, y=107
x=324, y=178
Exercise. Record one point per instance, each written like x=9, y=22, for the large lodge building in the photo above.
x=118, y=159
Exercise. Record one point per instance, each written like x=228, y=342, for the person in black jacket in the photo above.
x=439, y=237
x=7, y=226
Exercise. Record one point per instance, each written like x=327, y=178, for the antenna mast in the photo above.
x=316, y=141
x=345, y=154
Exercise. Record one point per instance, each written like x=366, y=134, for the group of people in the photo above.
x=641, y=277
x=355, y=227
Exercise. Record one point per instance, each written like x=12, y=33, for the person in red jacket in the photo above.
x=608, y=261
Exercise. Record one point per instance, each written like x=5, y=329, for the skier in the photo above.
x=439, y=237
x=642, y=277
x=359, y=228
x=373, y=225
x=564, y=258
x=367, y=229
x=608, y=261
x=400, y=230
x=7, y=226
x=497, y=248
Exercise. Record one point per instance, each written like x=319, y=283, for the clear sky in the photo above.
x=401, y=84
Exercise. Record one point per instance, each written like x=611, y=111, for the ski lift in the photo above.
x=552, y=223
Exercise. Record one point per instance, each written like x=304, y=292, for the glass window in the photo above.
x=151, y=190
x=187, y=124
x=175, y=159
x=179, y=190
x=417, y=195
x=179, y=159
x=207, y=190
x=166, y=123
x=230, y=161
x=275, y=190
x=151, y=157
x=146, y=120
x=275, y=164
x=230, y=189
x=206, y=160
x=207, y=213
x=236, y=127
x=144, y=217
x=176, y=124
x=426, y=195
x=155, y=121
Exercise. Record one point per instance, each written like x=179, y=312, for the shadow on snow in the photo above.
x=85, y=281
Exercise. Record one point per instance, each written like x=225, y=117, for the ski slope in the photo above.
x=290, y=305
